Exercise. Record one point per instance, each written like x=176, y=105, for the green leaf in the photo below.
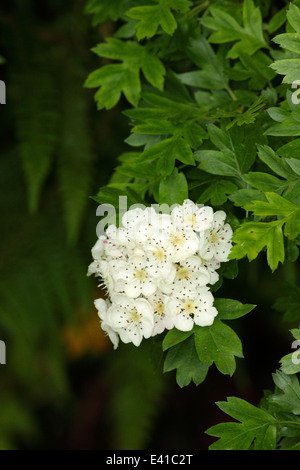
x=124, y=77
x=238, y=143
x=229, y=309
x=292, y=225
x=145, y=171
x=183, y=357
x=252, y=237
x=289, y=398
x=151, y=17
x=237, y=151
x=278, y=20
x=217, y=192
x=230, y=269
x=173, y=189
x=265, y=182
x=277, y=164
x=244, y=196
x=291, y=149
x=275, y=205
x=279, y=206
x=287, y=67
x=163, y=150
x=290, y=41
x=294, y=164
x=290, y=364
x=255, y=426
x=249, y=116
x=292, y=250
x=110, y=194
x=258, y=67
x=174, y=337
x=166, y=151
x=219, y=138
x=104, y=10
x=218, y=344
x=293, y=16
x=278, y=114
x=250, y=37
x=212, y=74
x=194, y=134
x=217, y=163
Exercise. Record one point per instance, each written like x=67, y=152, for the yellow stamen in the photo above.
x=189, y=306
x=214, y=237
x=182, y=273
x=190, y=219
x=159, y=254
x=135, y=316
x=177, y=238
x=140, y=275
x=160, y=308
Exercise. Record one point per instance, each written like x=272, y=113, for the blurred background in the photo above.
x=64, y=387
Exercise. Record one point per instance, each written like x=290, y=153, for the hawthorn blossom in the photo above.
x=217, y=242
x=211, y=266
x=157, y=270
x=180, y=312
x=136, y=278
x=188, y=311
x=190, y=275
x=107, y=270
x=184, y=243
x=132, y=319
x=162, y=318
x=191, y=216
x=102, y=306
x=159, y=253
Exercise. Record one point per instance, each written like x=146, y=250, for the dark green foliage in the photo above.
x=216, y=112
x=216, y=122
x=273, y=424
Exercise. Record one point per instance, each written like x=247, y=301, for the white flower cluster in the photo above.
x=156, y=269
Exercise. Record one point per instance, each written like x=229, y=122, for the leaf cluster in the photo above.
x=213, y=118
x=272, y=425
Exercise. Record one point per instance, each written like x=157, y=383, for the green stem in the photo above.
x=230, y=92
x=297, y=423
x=196, y=10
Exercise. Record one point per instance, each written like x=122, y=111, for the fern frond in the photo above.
x=75, y=159
x=35, y=104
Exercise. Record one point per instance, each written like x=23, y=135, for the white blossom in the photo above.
x=162, y=317
x=102, y=307
x=157, y=270
x=217, y=242
x=184, y=243
x=132, y=319
x=190, y=275
x=189, y=310
x=136, y=278
x=193, y=217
